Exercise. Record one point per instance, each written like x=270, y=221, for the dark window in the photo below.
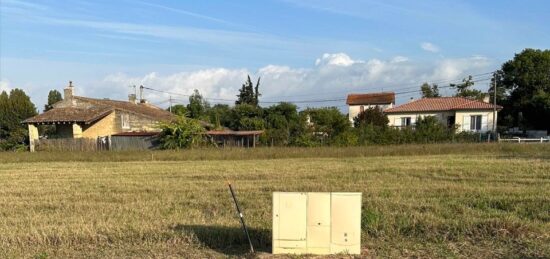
x=450, y=121
x=405, y=121
x=475, y=122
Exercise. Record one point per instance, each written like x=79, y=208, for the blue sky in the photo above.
x=303, y=50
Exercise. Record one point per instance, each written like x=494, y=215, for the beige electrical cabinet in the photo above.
x=316, y=223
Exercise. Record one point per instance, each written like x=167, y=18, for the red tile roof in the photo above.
x=442, y=104
x=371, y=99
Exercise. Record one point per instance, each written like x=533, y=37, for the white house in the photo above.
x=467, y=114
x=359, y=102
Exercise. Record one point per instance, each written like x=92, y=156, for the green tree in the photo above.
x=14, y=108
x=178, y=109
x=197, y=105
x=429, y=91
x=219, y=115
x=248, y=94
x=247, y=117
x=53, y=97
x=465, y=89
x=326, y=123
x=523, y=86
x=181, y=133
x=283, y=123
x=373, y=115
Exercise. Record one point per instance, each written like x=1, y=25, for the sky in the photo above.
x=312, y=52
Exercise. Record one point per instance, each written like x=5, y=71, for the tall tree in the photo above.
x=523, y=88
x=197, y=105
x=372, y=116
x=465, y=89
x=53, y=97
x=14, y=108
x=248, y=94
x=429, y=91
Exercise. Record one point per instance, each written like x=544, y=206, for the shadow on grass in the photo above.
x=228, y=240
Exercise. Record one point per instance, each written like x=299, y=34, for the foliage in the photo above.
x=429, y=91
x=247, y=117
x=178, y=109
x=523, y=86
x=181, y=133
x=197, y=106
x=219, y=115
x=283, y=123
x=326, y=123
x=53, y=97
x=14, y=108
x=465, y=89
x=248, y=94
x=373, y=115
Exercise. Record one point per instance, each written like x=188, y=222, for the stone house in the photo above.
x=357, y=103
x=466, y=114
x=83, y=117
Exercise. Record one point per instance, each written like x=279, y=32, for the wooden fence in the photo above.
x=72, y=144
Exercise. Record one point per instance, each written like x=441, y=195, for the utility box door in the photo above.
x=346, y=223
x=318, y=223
x=290, y=214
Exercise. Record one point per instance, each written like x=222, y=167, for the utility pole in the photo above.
x=170, y=107
x=141, y=93
x=495, y=105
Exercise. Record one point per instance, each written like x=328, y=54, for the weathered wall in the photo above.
x=103, y=127
x=136, y=123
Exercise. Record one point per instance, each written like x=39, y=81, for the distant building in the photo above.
x=468, y=115
x=359, y=102
x=83, y=117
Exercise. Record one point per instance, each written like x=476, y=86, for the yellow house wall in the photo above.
x=395, y=118
x=137, y=123
x=102, y=128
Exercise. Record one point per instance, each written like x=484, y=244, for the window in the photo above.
x=405, y=121
x=125, y=121
x=361, y=108
x=450, y=121
x=475, y=122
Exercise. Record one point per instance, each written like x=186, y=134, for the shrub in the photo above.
x=181, y=133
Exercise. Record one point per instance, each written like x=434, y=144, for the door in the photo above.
x=289, y=222
x=318, y=223
x=346, y=223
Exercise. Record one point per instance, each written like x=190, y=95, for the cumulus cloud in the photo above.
x=4, y=85
x=428, y=46
x=332, y=77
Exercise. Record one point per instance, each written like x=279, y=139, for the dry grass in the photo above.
x=488, y=201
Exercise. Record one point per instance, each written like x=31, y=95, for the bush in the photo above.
x=182, y=133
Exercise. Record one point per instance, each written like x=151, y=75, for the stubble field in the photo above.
x=475, y=200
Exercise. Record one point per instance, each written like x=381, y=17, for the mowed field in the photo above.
x=471, y=200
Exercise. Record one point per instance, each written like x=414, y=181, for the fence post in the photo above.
x=519, y=140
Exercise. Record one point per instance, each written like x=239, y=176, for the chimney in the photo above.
x=486, y=98
x=132, y=98
x=68, y=91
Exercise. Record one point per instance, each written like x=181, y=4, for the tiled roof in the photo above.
x=227, y=132
x=71, y=114
x=442, y=104
x=371, y=99
x=138, y=108
x=98, y=110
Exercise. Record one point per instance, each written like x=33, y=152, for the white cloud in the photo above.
x=428, y=46
x=4, y=85
x=333, y=76
x=337, y=59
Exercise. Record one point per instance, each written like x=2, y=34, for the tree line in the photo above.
x=523, y=89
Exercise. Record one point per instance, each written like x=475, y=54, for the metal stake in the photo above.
x=241, y=217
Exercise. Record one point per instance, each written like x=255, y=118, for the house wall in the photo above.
x=462, y=118
x=103, y=127
x=395, y=118
x=354, y=110
x=136, y=123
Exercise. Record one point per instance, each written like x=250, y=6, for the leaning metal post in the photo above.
x=245, y=229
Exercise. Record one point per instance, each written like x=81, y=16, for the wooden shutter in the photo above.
x=484, y=123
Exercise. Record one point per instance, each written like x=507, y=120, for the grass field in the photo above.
x=475, y=200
